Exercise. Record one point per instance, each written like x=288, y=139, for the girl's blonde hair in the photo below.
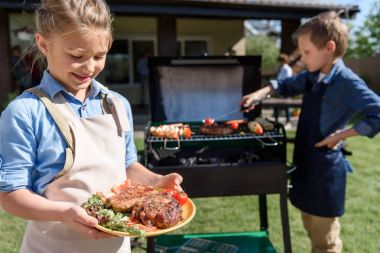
x=64, y=17
x=323, y=28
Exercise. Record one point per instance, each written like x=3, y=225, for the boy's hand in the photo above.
x=247, y=102
x=332, y=141
x=77, y=217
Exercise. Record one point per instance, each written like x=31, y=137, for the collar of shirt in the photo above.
x=51, y=86
x=329, y=79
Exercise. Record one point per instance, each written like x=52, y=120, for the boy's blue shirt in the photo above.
x=345, y=96
x=32, y=150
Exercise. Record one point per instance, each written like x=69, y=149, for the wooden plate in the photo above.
x=188, y=212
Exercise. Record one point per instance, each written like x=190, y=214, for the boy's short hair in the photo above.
x=323, y=28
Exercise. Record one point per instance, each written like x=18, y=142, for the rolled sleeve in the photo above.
x=14, y=180
x=363, y=128
x=131, y=151
x=16, y=149
x=364, y=101
x=274, y=84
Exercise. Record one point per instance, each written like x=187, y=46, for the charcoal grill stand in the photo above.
x=253, y=179
x=259, y=178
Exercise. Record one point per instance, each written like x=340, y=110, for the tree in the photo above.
x=266, y=47
x=366, y=39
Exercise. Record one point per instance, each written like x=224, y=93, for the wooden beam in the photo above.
x=167, y=36
x=5, y=69
x=288, y=27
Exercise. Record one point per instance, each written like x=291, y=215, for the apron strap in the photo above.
x=63, y=127
x=119, y=114
x=103, y=102
x=113, y=105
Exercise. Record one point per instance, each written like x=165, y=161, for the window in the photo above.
x=118, y=63
x=195, y=47
x=192, y=47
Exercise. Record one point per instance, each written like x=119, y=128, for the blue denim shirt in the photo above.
x=345, y=96
x=32, y=150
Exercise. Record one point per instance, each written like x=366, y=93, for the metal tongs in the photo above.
x=253, y=103
x=241, y=108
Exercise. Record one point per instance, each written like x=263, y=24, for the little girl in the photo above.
x=70, y=136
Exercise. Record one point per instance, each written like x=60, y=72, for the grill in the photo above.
x=187, y=90
x=243, y=147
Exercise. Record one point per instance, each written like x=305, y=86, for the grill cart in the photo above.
x=187, y=90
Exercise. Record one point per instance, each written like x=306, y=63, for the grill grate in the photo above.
x=229, y=137
x=243, y=137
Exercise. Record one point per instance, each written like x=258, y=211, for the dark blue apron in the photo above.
x=319, y=182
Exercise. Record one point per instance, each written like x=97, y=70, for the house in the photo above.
x=166, y=28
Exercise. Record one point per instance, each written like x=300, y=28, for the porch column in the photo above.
x=167, y=35
x=5, y=70
x=288, y=27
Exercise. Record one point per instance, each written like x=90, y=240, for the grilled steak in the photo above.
x=161, y=210
x=216, y=130
x=127, y=198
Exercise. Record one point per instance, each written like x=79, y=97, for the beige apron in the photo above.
x=99, y=164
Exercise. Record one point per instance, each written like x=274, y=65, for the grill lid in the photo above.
x=194, y=88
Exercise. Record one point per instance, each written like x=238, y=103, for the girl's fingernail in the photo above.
x=94, y=223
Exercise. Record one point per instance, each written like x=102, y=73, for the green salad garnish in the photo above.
x=108, y=218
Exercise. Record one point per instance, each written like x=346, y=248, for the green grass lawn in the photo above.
x=360, y=229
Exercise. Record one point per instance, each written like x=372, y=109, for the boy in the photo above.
x=332, y=95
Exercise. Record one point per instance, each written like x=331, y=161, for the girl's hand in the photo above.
x=332, y=141
x=171, y=181
x=77, y=217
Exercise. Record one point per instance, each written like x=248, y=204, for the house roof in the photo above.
x=239, y=9
x=292, y=3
